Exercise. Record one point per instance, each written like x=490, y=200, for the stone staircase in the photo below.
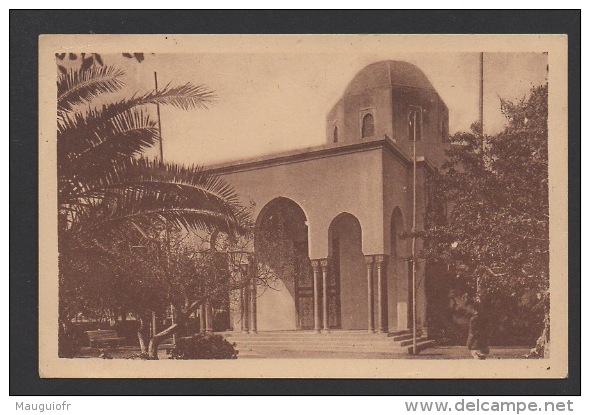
x=336, y=343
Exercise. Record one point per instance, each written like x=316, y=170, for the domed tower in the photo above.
x=391, y=100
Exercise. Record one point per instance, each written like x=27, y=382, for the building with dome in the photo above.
x=344, y=207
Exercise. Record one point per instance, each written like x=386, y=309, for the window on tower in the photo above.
x=368, y=127
x=336, y=134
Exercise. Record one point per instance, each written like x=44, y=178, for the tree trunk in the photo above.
x=156, y=340
x=153, y=348
x=546, y=335
x=142, y=344
x=541, y=349
x=141, y=337
x=544, y=340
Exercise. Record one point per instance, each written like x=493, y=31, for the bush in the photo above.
x=69, y=344
x=203, y=346
x=128, y=330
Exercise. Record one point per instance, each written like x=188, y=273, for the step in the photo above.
x=338, y=342
x=400, y=337
x=261, y=350
x=313, y=337
x=323, y=338
x=320, y=345
x=409, y=341
x=386, y=346
x=315, y=354
x=294, y=346
x=399, y=332
x=320, y=342
x=341, y=349
x=421, y=345
x=307, y=333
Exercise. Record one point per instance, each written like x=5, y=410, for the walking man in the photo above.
x=477, y=339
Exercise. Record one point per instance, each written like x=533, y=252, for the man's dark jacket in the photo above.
x=478, y=333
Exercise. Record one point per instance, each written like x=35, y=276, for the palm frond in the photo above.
x=82, y=130
x=185, y=97
x=141, y=191
x=124, y=221
x=82, y=150
x=78, y=86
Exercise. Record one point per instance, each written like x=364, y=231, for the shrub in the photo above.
x=128, y=330
x=68, y=344
x=203, y=346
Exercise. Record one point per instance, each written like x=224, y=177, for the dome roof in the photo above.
x=387, y=73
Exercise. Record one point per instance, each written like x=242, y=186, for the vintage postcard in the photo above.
x=342, y=206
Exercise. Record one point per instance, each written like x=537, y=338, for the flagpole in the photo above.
x=414, y=163
x=483, y=147
x=166, y=234
x=481, y=93
x=159, y=120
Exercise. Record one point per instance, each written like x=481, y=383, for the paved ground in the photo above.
x=437, y=352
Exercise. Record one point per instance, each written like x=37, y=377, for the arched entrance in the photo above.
x=285, y=300
x=348, y=270
x=399, y=295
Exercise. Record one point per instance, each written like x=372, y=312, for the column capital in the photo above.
x=316, y=263
x=325, y=262
x=381, y=258
x=369, y=259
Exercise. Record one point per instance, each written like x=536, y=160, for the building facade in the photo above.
x=342, y=210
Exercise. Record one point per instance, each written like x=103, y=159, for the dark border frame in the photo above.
x=26, y=26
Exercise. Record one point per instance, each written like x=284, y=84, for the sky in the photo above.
x=268, y=102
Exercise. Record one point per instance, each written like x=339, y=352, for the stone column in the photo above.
x=325, y=263
x=381, y=262
x=253, y=328
x=370, y=304
x=208, y=319
x=315, y=264
x=244, y=301
x=243, y=311
x=202, y=318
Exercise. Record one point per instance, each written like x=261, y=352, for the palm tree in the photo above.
x=108, y=192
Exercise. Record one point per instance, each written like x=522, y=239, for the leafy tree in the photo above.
x=182, y=269
x=488, y=216
x=108, y=193
x=87, y=60
x=185, y=269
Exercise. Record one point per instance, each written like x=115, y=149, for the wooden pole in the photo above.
x=414, y=340
x=159, y=120
x=483, y=142
x=166, y=233
x=481, y=92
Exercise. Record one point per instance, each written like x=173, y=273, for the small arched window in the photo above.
x=336, y=134
x=414, y=125
x=368, y=127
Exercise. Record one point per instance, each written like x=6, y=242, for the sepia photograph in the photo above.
x=345, y=206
